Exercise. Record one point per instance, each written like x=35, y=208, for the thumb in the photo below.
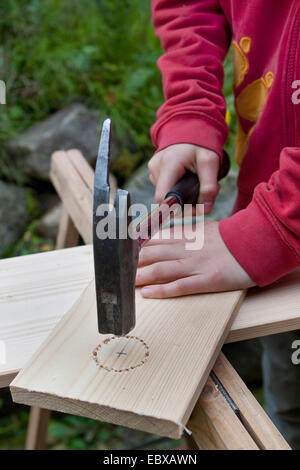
x=168, y=176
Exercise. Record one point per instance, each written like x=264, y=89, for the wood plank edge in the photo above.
x=264, y=329
x=256, y=421
x=214, y=357
x=155, y=425
x=214, y=424
x=7, y=377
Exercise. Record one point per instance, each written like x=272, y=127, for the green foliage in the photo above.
x=73, y=432
x=30, y=243
x=32, y=204
x=57, y=51
x=13, y=430
x=101, y=52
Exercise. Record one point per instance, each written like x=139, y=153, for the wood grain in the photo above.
x=37, y=290
x=37, y=428
x=214, y=424
x=254, y=418
x=78, y=203
x=73, y=179
x=68, y=235
x=269, y=310
x=39, y=418
x=184, y=336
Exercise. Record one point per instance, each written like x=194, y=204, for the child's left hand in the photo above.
x=168, y=269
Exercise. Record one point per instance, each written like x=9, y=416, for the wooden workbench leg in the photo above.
x=37, y=428
x=39, y=418
x=215, y=425
x=67, y=233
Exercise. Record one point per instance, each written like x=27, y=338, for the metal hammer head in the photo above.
x=115, y=253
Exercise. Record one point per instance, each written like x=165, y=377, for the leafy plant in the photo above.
x=56, y=52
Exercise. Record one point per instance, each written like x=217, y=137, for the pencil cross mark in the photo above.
x=120, y=353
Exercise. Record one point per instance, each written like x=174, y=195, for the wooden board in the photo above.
x=73, y=179
x=254, y=418
x=37, y=290
x=154, y=385
x=214, y=424
x=78, y=204
x=269, y=310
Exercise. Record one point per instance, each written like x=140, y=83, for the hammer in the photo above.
x=116, y=256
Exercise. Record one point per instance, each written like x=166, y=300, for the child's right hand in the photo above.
x=170, y=164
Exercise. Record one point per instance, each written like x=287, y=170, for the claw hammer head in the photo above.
x=115, y=252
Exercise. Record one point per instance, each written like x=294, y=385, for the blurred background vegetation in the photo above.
x=102, y=53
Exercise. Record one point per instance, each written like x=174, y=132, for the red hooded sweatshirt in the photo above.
x=263, y=234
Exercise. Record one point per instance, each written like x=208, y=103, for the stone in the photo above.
x=13, y=214
x=72, y=127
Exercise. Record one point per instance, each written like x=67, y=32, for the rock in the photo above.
x=73, y=127
x=13, y=214
x=47, y=226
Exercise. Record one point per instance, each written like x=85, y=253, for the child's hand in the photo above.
x=169, y=165
x=168, y=269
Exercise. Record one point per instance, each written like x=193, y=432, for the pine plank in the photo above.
x=269, y=310
x=39, y=418
x=68, y=235
x=184, y=337
x=73, y=179
x=37, y=290
x=214, y=424
x=74, y=191
x=254, y=418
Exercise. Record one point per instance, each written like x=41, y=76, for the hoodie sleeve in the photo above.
x=195, y=37
x=265, y=237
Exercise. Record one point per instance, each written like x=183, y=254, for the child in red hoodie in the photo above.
x=260, y=242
